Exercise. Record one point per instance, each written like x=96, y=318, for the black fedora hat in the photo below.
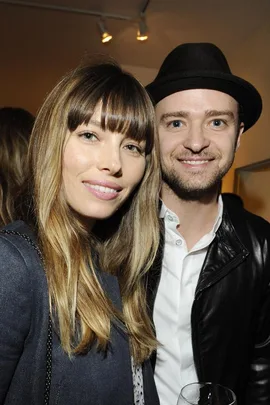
x=204, y=66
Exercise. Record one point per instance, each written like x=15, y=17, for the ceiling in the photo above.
x=39, y=44
x=170, y=22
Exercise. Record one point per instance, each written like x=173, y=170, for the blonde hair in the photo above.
x=84, y=313
x=15, y=128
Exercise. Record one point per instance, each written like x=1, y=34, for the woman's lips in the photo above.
x=103, y=190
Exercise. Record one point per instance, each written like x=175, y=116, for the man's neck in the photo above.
x=197, y=218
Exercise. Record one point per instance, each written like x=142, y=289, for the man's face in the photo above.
x=199, y=132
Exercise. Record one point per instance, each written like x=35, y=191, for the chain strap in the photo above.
x=50, y=335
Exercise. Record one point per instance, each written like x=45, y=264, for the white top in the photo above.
x=172, y=310
x=137, y=376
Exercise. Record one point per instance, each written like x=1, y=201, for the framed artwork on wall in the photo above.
x=252, y=184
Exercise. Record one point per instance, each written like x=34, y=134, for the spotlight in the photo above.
x=105, y=35
x=142, y=34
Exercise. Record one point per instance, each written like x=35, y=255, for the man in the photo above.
x=209, y=290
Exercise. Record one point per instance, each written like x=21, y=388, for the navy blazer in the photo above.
x=91, y=379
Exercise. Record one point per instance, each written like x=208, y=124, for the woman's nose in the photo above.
x=110, y=160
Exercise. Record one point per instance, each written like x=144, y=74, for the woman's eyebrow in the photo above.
x=92, y=122
x=95, y=122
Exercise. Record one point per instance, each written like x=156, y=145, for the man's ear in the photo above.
x=241, y=130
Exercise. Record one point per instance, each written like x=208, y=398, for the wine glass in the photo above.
x=206, y=394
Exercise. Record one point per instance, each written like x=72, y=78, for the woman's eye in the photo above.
x=133, y=148
x=89, y=136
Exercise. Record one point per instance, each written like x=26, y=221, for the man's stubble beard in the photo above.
x=185, y=190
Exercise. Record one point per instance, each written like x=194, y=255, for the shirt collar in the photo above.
x=164, y=210
x=219, y=215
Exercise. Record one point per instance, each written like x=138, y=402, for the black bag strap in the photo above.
x=49, y=336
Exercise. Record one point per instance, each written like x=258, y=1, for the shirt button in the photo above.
x=170, y=218
x=179, y=242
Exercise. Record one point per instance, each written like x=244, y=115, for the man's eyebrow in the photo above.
x=174, y=114
x=218, y=113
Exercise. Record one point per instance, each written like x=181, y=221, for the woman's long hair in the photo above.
x=15, y=128
x=84, y=313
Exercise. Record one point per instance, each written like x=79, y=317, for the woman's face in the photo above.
x=100, y=169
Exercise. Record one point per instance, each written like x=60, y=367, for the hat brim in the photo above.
x=241, y=90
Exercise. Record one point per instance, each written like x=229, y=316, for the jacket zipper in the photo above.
x=194, y=328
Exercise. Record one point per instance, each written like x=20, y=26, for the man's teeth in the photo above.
x=195, y=162
x=103, y=189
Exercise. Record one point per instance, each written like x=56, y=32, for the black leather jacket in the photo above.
x=230, y=317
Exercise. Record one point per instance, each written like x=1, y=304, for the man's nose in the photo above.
x=196, y=139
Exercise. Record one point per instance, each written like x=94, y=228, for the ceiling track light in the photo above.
x=105, y=35
x=142, y=33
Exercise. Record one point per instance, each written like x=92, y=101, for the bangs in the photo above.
x=124, y=107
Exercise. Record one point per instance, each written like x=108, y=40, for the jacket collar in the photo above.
x=227, y=250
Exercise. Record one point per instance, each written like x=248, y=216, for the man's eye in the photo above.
x=218, y=123
x=175, y=124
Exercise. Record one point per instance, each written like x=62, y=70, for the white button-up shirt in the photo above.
x=172, y=310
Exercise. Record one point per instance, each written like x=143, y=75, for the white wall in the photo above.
x=144, y=75
x=252, y=62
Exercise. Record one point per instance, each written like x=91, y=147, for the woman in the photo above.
x=15, y=127
x=92, y=153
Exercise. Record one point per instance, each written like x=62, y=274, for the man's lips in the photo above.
x=195, y=162
x=196, y=158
